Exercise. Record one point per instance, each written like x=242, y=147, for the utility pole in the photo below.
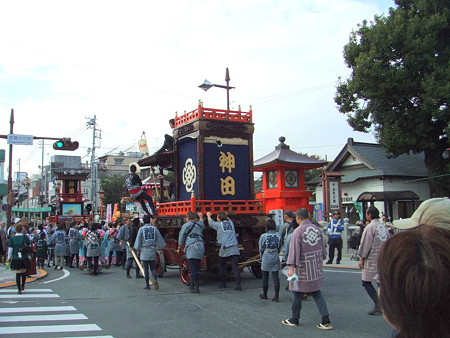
x=18, y=177
x=18, y=185
x=42, y=185
x=92, y=123
x=11, y=142
x=10, y=189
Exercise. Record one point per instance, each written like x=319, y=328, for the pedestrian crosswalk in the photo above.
x=42, y=321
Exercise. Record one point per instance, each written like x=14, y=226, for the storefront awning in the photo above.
x=43, y=209
x=387, y=196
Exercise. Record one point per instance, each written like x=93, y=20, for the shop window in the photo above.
x=405, y=209
x=118, y=161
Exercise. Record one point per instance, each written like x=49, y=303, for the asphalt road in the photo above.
x=119, y=307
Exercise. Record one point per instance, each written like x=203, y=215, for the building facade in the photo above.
x=370, y=177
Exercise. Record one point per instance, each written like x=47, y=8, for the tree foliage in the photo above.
x=399, y=87
x=313, y=173
x=113, y=186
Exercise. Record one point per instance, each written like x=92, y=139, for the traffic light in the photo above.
x=65, y=144
x=88, y=207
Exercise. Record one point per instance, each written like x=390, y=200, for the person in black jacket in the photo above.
x=133, y=233
x=133, y=185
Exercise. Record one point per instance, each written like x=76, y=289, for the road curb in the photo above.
x=340, y=266
x=42, y=274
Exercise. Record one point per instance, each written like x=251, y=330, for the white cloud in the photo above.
x=135, y=63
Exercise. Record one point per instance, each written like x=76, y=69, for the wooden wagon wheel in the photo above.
x=160, y=263
x=254, y=265
x=185, y=271
x=255, y=270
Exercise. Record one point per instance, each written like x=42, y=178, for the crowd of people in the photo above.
x=411, y=268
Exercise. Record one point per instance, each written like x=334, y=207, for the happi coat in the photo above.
x=306, y=254
x=124, y=235
x=191, y=236
x=93, y=242
x=373, y=238
x=269, y=247
x=148, y=241
x=59, y=240
x=226, y=237
x=74, y=241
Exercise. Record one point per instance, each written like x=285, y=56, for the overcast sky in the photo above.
x=133, y=64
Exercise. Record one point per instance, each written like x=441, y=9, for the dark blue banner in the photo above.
x=187, y=157
x=227, y=172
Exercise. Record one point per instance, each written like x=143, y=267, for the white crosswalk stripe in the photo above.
x=26, y=295
x=21, y=321
x=38, y=318
x=37, y=309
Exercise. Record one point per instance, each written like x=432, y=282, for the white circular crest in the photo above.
x=189, y=175
x=311, y=236
x=382, y=232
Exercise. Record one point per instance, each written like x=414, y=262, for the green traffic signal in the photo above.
x=65, y=144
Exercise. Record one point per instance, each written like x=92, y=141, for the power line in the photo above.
x=289, y=94
x=138, y=84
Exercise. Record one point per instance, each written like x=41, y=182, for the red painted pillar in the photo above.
x=193, y=202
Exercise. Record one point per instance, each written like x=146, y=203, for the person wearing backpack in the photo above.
x=19, y=249
x=270, y=245
x=41, y=250
x=191, y=237
x=59, y=240
x=93, y=244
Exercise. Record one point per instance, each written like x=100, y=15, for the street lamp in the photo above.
x=206, y=85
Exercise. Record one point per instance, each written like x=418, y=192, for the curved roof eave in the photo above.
x=283, y=155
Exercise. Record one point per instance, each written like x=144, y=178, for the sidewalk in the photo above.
x=8, y=277
x=346, y=263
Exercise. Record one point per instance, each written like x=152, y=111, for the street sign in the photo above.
x=5, y=207
x=20, y=176
x=24, y=140
x=277, y=216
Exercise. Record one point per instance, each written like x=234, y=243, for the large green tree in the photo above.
x=113, y=186
x=399, y=87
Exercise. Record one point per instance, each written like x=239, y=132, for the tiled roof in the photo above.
x=376, y=163
x=403, y=165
